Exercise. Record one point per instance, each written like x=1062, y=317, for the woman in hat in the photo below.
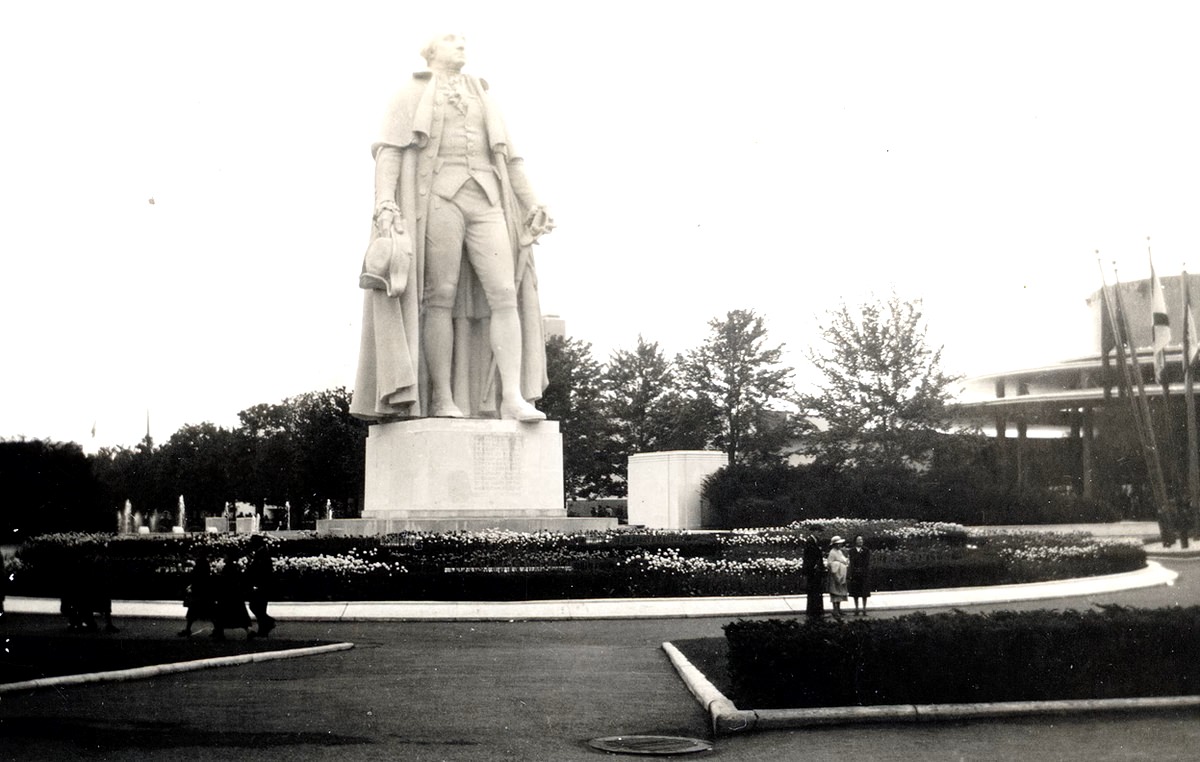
x=838, y=566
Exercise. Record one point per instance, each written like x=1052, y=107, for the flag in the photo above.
x=1160, y=325
x=1191, y=341
x=1110, y=335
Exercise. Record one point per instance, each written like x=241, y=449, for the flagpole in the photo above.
x=1153, y=461
x=1125, y=377
x=1189, y=396
x=1160, y=333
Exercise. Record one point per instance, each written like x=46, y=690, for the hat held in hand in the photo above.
x=385, y=266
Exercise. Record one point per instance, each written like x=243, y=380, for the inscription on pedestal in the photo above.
x=497, y=461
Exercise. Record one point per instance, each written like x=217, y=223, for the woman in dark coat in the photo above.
x=259, y=571
x=229, y=609
x=85, y=593
x=859, y=576
x=200, y=596
x=814, y=575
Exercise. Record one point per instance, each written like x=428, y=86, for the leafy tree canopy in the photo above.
x=574, y=398
x=883, y=397
x=736, y=379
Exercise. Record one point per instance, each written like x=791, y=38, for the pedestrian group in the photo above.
x=844, y=573
x=221, y=598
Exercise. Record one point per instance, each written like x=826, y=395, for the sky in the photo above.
x=698, y=157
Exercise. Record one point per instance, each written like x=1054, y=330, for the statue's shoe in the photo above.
x=446, y=410
x=521, y=411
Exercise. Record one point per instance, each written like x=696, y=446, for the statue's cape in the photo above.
x=410, y=116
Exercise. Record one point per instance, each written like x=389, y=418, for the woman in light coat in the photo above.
x=838, y=566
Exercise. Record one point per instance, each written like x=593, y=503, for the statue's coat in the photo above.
x=392, y=380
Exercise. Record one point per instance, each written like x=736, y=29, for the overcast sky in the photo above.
x=698, y=157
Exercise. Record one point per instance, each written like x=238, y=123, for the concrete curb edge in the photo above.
x=1151, y=575
x=155, y=670
x=727, y=719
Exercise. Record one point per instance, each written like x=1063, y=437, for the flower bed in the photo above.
x=500, y=565
x=964, y=658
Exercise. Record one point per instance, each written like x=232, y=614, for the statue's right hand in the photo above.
x=388, y=223
x=388, y=220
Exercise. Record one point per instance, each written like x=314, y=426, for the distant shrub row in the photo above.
x=499, y=565
x=752, y=495
x=958, y=657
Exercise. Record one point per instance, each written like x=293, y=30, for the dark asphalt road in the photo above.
x=510, y=691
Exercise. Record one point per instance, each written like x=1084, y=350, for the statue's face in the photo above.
x=450, y=52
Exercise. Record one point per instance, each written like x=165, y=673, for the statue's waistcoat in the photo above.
x=463, y=149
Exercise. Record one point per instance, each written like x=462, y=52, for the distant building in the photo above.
x=553, y=325
x=1060, y=401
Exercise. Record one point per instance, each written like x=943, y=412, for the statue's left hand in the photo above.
x=539, y=221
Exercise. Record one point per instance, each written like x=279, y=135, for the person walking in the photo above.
x=86, y=593
x=813, y=566
x=200, y=596
x=229, y=606
x=859, y=575
x=837, y=564
x=259, y=573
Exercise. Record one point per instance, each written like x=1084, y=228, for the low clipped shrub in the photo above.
x=503, y=565
x=962, y=658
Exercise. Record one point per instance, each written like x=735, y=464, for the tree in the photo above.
x=646, y=405
x=135, y=474
x=200, y=462
x=48, y=487
x=883, y=397
x=303, y=451
x=269, y=462
x=574, y=399
x=331, y=449
x=737, y=390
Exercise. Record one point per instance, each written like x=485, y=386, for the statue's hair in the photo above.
x=430, y=48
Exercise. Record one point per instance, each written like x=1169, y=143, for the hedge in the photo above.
x=960, y=658
x=514, y=566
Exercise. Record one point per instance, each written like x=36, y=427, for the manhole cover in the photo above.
x=653, y=745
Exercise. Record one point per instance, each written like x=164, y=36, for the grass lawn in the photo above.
x=28, y=657
x=711, y=657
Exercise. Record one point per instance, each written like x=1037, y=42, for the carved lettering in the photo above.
x=497, y=463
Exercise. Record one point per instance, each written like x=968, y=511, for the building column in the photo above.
x=1085, y=452
x=1022, y=430
x=1001, y=448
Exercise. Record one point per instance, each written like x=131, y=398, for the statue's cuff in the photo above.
x=386, y=205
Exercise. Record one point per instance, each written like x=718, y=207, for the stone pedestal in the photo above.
x=664, y=488
x=440, y=474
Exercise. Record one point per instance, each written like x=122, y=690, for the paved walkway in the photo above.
x=635, y=608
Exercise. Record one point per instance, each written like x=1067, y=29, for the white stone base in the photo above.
x=444, y=475
x=664, y=488
x=463, y=468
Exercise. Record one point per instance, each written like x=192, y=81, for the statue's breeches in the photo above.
x=469, y=220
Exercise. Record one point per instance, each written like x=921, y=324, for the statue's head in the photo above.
x=446, y=50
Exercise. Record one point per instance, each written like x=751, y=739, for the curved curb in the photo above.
x=155, y=670
x=1152, y=575
x=727, y=719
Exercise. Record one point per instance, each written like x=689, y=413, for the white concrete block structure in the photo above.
x=664, y=488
